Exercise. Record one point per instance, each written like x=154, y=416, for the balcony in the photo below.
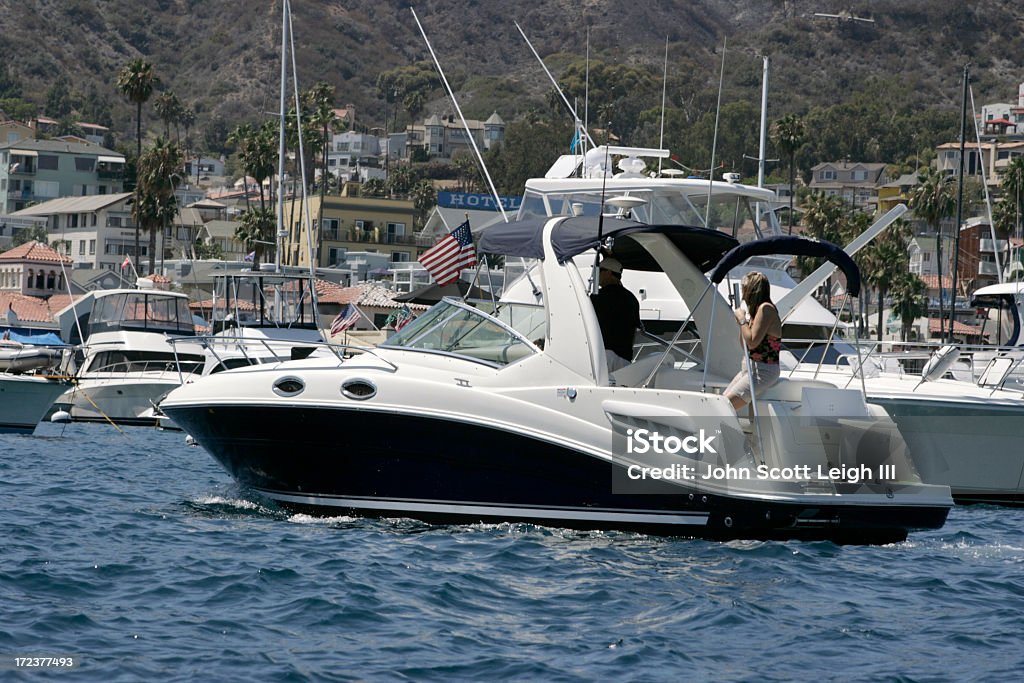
x=370, y=237
x=985, y=244
x=110, y=173
x=987, y=268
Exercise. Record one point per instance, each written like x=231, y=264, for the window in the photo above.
x=47, y=188
x=85, y=164
x=926, y=256
x=48, y=162
x=72, y=220
x=827, y=175
x=858, y=176
x=400, y=257
x=113, y=221
x=81, y=247
x=335, y=255
x=92, y=247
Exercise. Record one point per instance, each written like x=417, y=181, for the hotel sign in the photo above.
x=476, y=202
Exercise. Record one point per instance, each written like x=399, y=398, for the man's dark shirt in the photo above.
x=618, y=313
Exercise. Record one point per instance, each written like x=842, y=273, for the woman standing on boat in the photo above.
x=761, y=331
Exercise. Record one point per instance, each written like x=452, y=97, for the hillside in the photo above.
x=222, y=57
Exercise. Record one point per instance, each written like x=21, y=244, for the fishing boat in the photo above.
x=467, y=416
x=126, y=362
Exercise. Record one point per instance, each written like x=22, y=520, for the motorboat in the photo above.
x=126, y=362
x=468, y=415
x=261, y=316
x=29, y=384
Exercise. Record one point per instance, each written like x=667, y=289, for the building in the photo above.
x=989, y=158
x=370, y=224
x=350, y=149
x=445, y=136
x=40, y=170
x=855, y=182
x=13, y=131
x=896, y=192
x=204, y=168
x=34, y=269
x=95, y=231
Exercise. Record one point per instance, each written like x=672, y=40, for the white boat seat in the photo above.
x=790, y=389
x=634, y=374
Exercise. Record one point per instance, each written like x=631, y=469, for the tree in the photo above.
x=154, y=206
x=884, y=262
x=255, y=226
x=320, y=101
x=825, y=218
x=932, y=200
x=136, y=82
x=257, y=152
x=58, y=100
x=35, y=233
x=374, y=187
x=1011, y=180
x=168, y=108
x=424, y=199
x=401, y=180
x=908, y=300
x=789, y=134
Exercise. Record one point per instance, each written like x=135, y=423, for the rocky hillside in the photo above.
x=222, y=56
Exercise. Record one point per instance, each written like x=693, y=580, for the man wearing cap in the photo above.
x=618, y=313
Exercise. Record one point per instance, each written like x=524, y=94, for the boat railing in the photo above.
x=986, y=365
x=223, y=350
x=141, y=367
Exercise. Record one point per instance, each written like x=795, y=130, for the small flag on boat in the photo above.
x=575, y=141
x=251, y=255
x=446, y=259
x=127, y=262
x=348, y=317
x=400, y=318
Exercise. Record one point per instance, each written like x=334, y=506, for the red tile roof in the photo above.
x=932, y=281
x=28, y=308
x=34, y=251
x=958, y=327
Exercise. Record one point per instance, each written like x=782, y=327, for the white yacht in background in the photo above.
x=26, y=394
x=465, y=416
x=126, y=361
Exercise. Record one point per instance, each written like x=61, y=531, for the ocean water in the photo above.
x=138, y=556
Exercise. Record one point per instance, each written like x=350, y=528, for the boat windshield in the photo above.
x=147, y=311
x=262, y=300
x=456, y=328
x=729, y=211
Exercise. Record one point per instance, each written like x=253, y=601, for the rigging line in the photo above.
x=455, y=102
x=586, y=93
x=575, y=117
x=305, y=203
x=984, y=184
x=281, y=141
x=664, y=88
x=714, y=139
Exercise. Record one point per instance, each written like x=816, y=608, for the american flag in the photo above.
x=348, y=317
x=446, y=259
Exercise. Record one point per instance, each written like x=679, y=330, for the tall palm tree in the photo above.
x=789, y=134
x=320, y=103
x=136, y=82
x=168, y=108
x=255, y=225
x=159, y=175
x=908, y=300
x=1012, y=182
x=932, y=200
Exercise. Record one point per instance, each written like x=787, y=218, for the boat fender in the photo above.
x=939, y=363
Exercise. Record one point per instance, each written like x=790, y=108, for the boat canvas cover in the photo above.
x=578, y=234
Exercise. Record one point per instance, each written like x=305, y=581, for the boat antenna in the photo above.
x=458, y=109
x=664, y=87
x=572, y=111
x=714, y=139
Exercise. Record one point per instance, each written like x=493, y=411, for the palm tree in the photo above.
x=320, y=102
x=908, y=300
x=424, y=198
x=136, y=82
x=932, y=200
x=168, y=108
x=257, y=150
x=789, y=134
x=255, y=225
x=1012, y=182
x=155, y=205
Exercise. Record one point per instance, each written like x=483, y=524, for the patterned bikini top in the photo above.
x=767, y=351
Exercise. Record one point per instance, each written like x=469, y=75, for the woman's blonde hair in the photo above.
x=755, y=290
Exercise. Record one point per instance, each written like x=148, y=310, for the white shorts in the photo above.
x=764, y=374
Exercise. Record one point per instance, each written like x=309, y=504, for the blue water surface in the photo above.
x=138, y=556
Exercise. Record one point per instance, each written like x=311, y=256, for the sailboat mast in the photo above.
x=959, y=203
x=280, y=150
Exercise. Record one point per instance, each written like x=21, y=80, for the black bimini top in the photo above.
x=794, y=246
x=578, y=234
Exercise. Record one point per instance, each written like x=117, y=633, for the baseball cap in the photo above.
x=611, y=264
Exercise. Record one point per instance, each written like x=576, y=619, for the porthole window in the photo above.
x=289, y=386
x=358, y=389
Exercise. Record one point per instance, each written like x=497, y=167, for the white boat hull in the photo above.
x=25, y=400
x=120, y=400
